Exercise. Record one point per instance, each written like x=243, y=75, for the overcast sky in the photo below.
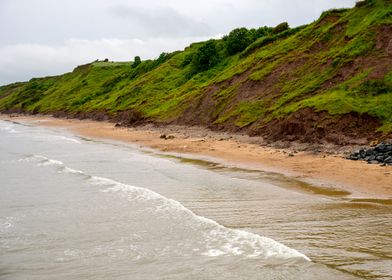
x=50, y=37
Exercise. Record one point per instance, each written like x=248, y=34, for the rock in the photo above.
x=369, y=152
x=372, y=158
x=163, y=136
x=380, y=158
x=380, y=147
x=388, y=159
x=381, y=153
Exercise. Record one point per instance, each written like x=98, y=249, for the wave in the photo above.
x=217, y=239
x=55, y=138
x=44, y=161
x=68, y=139
x=9, y=129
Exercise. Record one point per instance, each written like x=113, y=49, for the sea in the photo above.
x=79, y=208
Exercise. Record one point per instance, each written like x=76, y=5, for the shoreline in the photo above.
x=320, y=168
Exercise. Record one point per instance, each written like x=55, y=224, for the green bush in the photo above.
x=375, y=87
x=136, y=62
x=187, y=60
x=205, y=57
x=263, y=41
x=262, y=32
x=364, y=3
x=238, y=40
x=280, y=28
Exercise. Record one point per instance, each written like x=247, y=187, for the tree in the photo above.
x=238, y=40
x=280, y=28
x=137, y=60
x=263, y=31
x=206, y=56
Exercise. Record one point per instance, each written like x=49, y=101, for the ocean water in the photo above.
x=76, y=208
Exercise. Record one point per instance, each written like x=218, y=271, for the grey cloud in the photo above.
x=47, y=37
x=159, y=21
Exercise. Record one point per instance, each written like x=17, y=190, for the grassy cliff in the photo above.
x=331, y=80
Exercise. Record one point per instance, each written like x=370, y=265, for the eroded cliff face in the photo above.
x=328, y=81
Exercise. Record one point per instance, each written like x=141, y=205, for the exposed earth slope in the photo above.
x=328, y=81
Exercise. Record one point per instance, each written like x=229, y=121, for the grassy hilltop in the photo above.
x=330, y=80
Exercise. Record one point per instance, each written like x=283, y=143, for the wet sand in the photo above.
x=323, y=169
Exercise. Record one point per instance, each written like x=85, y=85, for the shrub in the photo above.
x=363, y=3
x=280, y=28
x=187, y=60
x=137, y=60
x=162, y=58
x=263, y=41
x=375, y=87
x=238, y=40
x=205, y=57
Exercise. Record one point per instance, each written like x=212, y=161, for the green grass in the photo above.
x=244, y=113
x=308, y=65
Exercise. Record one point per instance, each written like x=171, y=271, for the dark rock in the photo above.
x=380, y=147
x=380, y=158
x=372, y=158
x=382, y=153
x=166, y=137
x=369, y=152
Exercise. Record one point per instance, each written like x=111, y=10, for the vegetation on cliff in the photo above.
x=331, y=79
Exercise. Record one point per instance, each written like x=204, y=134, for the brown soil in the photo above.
x=308, y=125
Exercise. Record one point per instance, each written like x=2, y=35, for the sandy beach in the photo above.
x=321, y=168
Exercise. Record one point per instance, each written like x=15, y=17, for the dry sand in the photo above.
x=359, y=178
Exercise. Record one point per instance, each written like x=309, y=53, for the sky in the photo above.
x=49, y=37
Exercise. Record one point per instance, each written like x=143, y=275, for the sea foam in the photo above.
x=218, y=240
x=9, y=129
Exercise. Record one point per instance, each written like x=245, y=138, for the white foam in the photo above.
x=67, y=139
x=56, y=138
x=44, y=161
x=33, y=158
x=8, y=129
x=50, y=162
x=219, y=240
x=7, y=223
x=73, y=171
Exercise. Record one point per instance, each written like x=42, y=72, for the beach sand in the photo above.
x=321, y=168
